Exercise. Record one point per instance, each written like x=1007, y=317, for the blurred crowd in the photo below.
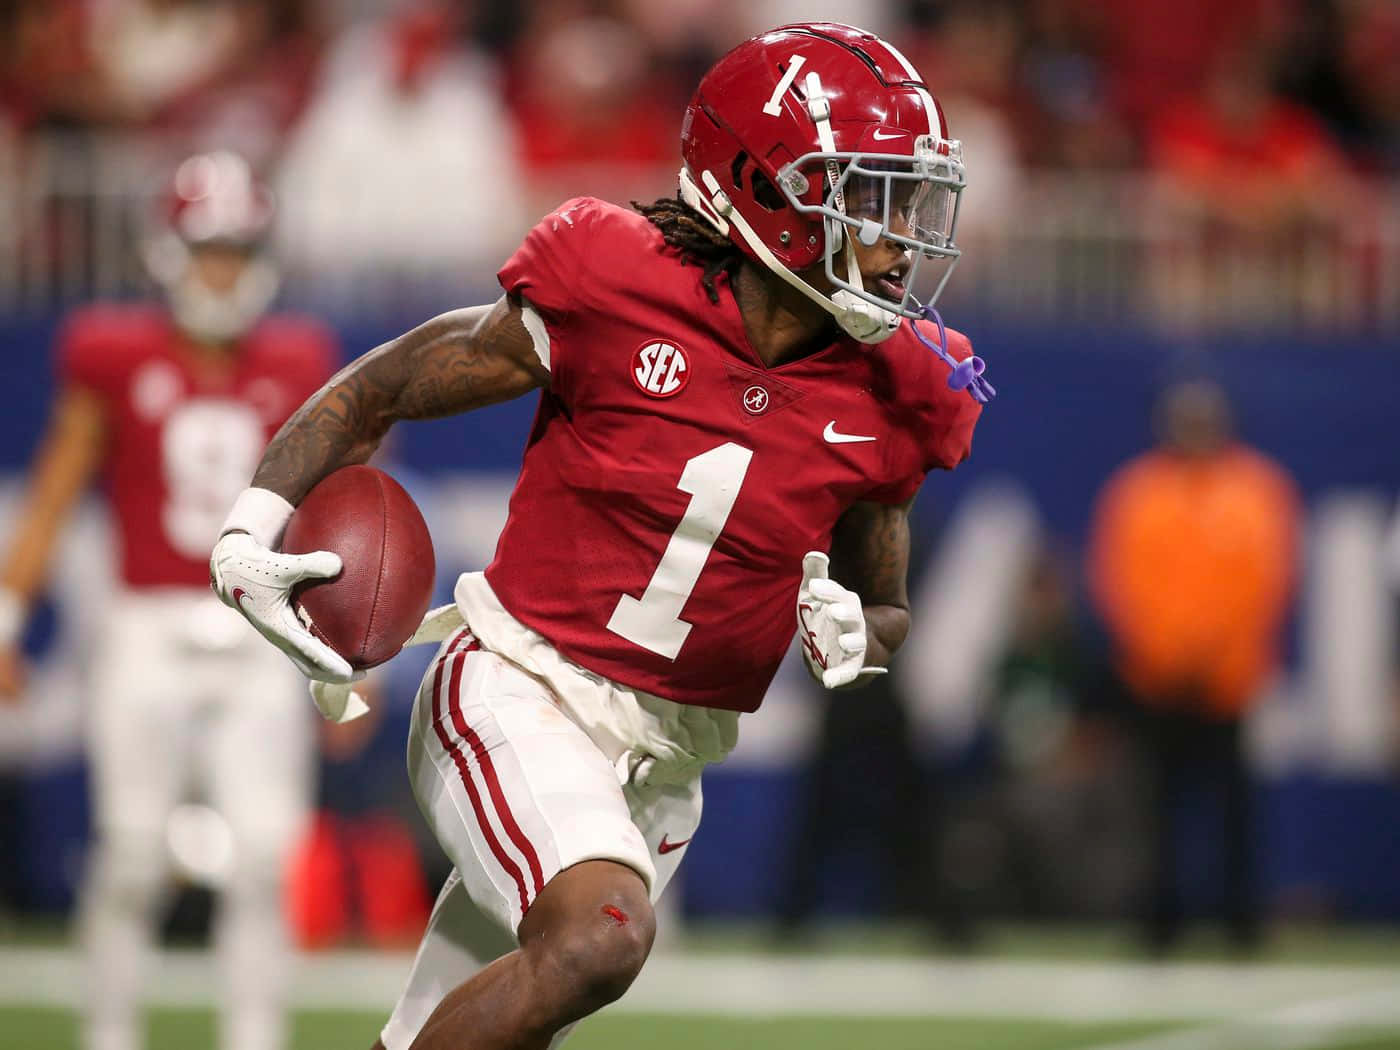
x=1296, y=87
x=387, y=124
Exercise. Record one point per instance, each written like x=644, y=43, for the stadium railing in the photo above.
x=1075, y=247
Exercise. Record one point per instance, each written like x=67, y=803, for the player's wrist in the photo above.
x=261, y=513
x=14, y=611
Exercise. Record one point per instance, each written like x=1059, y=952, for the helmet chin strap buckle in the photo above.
x=863, y=321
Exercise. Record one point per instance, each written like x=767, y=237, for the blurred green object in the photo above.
x=335, y=1030
x=329, y=1030
x=819, y=1033
x=185, y=1029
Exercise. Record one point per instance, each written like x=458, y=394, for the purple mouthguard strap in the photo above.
x=965, y=375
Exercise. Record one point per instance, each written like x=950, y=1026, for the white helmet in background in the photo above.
x=214, y=204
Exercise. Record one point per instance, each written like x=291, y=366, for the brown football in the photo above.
x=371, y=608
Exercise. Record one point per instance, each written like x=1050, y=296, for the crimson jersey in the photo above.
x=183, y=440
x=672, y=482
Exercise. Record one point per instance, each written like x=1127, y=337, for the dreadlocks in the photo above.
x=697, y=242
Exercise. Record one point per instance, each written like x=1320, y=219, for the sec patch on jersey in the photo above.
x=371, y=608
x=660, y=368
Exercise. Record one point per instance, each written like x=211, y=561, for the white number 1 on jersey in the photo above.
x=653, y=621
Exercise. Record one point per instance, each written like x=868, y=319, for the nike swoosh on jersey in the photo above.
x=667, y=847
x=833, y=436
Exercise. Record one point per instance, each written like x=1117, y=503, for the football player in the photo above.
x=172, y=404
x=736, y=411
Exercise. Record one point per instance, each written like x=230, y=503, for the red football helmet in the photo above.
x=811, y=134
x=213, y=201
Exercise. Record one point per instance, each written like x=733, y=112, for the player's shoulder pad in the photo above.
x=291, y=330
x=579, y=257
x=918, y=373
x=112, y=323
x=590, y=213
x=297, y=338
x=586, y=219
x=916, y=388
x=959, y=345
x=98, y=343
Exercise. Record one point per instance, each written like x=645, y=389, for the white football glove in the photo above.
x=339, y=702
x=258, y=582
x=830, y=626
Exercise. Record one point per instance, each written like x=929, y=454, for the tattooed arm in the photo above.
x=870, y=555
x=458, y=361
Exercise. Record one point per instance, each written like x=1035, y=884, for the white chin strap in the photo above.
x=214, y=317
x=861, y=320
x=211, y=317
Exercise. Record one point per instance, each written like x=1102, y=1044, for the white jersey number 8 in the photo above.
x=653, y=621
x=209, y=449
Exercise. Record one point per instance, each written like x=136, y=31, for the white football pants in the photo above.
x=185, y=695
x=516, y=790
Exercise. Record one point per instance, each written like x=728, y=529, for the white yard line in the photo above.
x=1301, y=1026
x=1234, y=999
x=972, y=988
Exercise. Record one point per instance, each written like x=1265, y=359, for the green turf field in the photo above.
x=1332, y=988
x=1325, y=944
x=26, y=1029
x=184, y=1030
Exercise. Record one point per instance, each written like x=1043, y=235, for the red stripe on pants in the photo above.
x=460, y=761
x=493, y=784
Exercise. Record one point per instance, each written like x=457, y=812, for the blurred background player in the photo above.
x=171, y=404
x=1193, y=559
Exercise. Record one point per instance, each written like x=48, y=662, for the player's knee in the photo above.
x=601, y=958
x=261, y=858
x=605, y=965
x=257, y=874
x=126, y=870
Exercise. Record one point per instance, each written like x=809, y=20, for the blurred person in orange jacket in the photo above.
x=1192, y=562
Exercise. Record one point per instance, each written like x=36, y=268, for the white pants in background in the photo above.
x=525, y=764
x=187, y=701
